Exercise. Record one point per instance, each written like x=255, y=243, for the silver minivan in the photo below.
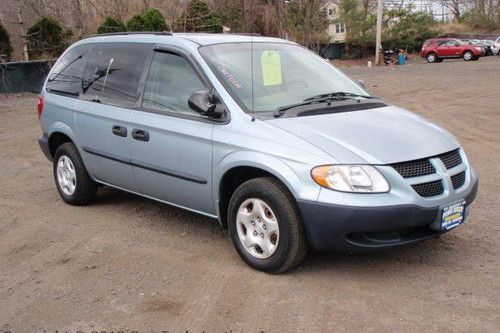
x=259, y=133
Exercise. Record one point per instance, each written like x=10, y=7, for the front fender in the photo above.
x=294, y=175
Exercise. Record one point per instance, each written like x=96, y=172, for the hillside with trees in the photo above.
x=43, y=28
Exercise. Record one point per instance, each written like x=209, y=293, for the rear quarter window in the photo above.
x=113, y=72
x=66, y=76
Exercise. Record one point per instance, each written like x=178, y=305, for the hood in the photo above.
x=375, y=136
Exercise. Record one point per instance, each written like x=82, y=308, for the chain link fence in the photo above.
x=25, y=76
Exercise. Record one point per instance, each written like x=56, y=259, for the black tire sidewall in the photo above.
x=284, y=217
x=85, y=188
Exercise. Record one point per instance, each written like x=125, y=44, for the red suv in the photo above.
x=437, y=49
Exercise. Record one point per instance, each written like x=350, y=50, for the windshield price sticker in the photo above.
x=271, y=68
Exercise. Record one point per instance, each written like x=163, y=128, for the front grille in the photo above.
x=458, y=180
x=451, y=159
x=429, y=189
x=415, y=168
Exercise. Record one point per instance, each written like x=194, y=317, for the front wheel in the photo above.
x=265, y=226
x=468, y=55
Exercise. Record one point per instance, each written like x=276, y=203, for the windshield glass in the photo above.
x=263, y=77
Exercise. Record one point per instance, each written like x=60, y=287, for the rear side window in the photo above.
x=113, y=72
x=66, y=76
x=171, y=81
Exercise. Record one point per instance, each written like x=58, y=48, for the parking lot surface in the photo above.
x=129, y=263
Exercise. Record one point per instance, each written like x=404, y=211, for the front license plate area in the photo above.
x=453, y=215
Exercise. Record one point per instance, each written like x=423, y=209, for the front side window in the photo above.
x=113, y=72
x=171, y=81
x=263, y=77
x=66, y=76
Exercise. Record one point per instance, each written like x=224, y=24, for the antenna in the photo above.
x=251, y=59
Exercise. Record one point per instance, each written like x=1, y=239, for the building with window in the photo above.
x=336, y=30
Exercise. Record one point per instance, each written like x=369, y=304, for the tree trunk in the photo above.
x=22, y=31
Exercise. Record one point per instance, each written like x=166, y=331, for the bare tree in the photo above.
x=22, y=30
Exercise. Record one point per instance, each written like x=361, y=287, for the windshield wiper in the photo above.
x=337, y=95
x=319, y=99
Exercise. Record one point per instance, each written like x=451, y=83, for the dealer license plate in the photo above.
x=453, y=215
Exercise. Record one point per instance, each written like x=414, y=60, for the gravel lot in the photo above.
x=128, y=263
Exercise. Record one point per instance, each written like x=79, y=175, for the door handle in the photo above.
x=119, y=130
x=140, y=135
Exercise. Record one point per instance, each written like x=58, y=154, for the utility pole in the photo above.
x=378, y=41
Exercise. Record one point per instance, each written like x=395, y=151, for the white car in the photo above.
x=497, y=44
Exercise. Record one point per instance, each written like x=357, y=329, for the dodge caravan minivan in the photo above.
x=260, y=133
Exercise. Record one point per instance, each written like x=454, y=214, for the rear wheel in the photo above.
x=431, y=57
x=71, y=177
x=468, y=56
x=265, y=226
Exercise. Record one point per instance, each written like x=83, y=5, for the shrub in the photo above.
x=154, y=21
x=136, y=23
x=111, y=24
x=151, y=20
x=47, y=37
x=199, y=17
x=5, y=46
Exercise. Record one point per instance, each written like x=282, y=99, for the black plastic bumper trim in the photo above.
x=43, y=141
x=331, y=227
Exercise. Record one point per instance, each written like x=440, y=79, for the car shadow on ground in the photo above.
x=432, y=252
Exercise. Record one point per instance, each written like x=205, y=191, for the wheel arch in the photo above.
x=468, y=50
x=235, y=172
x=58, y=134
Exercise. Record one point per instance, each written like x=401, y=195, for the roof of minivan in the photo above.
x=198, y=38
x=208, y=38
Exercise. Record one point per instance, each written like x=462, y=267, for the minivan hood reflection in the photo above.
x=375, y=136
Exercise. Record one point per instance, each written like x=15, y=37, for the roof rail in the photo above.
x=124, y=33
x=255, y=34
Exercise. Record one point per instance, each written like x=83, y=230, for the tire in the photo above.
x=431, y=57
x=72, y=180
x=268, y=196
x=467, y=56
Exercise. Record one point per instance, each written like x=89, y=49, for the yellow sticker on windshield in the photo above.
x=271, y=68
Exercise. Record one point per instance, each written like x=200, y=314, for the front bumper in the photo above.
x=351, y=228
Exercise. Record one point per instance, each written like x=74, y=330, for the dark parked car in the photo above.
x=438, y=49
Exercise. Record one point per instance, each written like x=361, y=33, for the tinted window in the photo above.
x=66, y=77
x=113, y=72
x=171, y=81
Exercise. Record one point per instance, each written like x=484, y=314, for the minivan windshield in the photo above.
x=264, y=77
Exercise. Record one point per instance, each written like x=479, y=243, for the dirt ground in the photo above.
x=129, y=263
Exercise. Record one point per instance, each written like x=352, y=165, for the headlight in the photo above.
x=350, y=178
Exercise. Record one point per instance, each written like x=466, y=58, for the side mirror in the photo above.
x=204, y=102
x=362, y=84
